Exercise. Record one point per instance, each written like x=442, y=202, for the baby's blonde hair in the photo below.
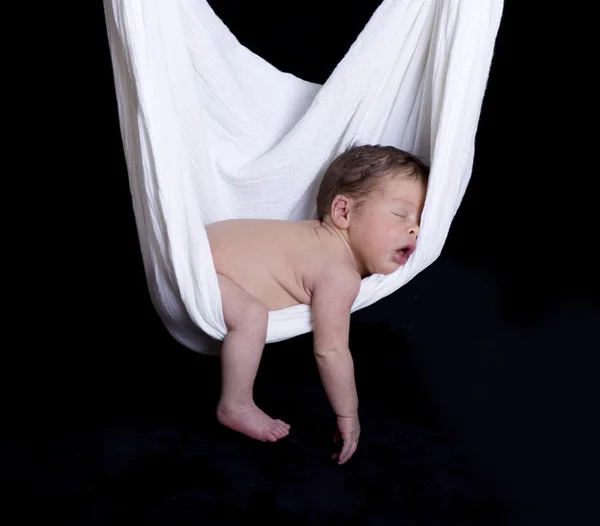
x=362, y=169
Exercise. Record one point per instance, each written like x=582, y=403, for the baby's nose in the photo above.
x=413, y=230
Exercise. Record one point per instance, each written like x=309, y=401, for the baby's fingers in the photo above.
x=350, y=447
x=343, y=456
x=348, y=450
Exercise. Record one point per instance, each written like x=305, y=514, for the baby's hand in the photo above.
x=348, y=431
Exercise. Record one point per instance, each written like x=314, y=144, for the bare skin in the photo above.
x=266, y=265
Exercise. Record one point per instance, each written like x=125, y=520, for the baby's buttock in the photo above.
x=265, y=259
x=274, y=292
x=274, y=284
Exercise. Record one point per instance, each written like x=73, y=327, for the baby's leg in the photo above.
x=246, y=320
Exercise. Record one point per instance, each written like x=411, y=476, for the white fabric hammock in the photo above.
x=212, y=131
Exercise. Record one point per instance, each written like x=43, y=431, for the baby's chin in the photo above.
x=387, y=268
x=385, y=265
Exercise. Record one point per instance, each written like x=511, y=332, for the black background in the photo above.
x=477, y=380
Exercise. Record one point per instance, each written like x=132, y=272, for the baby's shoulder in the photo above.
x=322, y=272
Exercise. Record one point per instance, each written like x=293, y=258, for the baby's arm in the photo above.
x=333, y=294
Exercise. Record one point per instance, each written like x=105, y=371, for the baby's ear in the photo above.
x=340, y=211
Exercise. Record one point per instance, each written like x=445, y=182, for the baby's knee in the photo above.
x=255, y=315
x=240, y=309
x=246, y=315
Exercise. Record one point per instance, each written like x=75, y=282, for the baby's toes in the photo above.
x=283, y=424
x=279, y=432
x=271, y=435
x=286, y=431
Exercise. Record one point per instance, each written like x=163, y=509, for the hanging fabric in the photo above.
x=212, y=131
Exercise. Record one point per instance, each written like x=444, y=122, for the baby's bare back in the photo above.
x=274, y=261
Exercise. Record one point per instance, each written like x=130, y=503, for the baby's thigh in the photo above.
x=241, y=310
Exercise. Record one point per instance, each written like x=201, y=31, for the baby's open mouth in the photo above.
x=403, y=253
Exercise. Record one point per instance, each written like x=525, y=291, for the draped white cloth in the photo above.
x=212, y=131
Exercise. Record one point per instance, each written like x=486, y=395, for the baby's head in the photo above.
x=376, y=195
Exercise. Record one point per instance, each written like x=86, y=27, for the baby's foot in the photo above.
x=251, y=421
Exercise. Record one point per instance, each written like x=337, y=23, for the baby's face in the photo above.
x=383, y=231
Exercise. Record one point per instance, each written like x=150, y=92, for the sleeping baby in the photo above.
x=369, y=207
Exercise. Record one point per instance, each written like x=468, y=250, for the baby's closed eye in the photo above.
x=401, y=213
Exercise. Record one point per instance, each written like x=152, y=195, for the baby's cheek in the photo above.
x=373, y=239
x=385, y=236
